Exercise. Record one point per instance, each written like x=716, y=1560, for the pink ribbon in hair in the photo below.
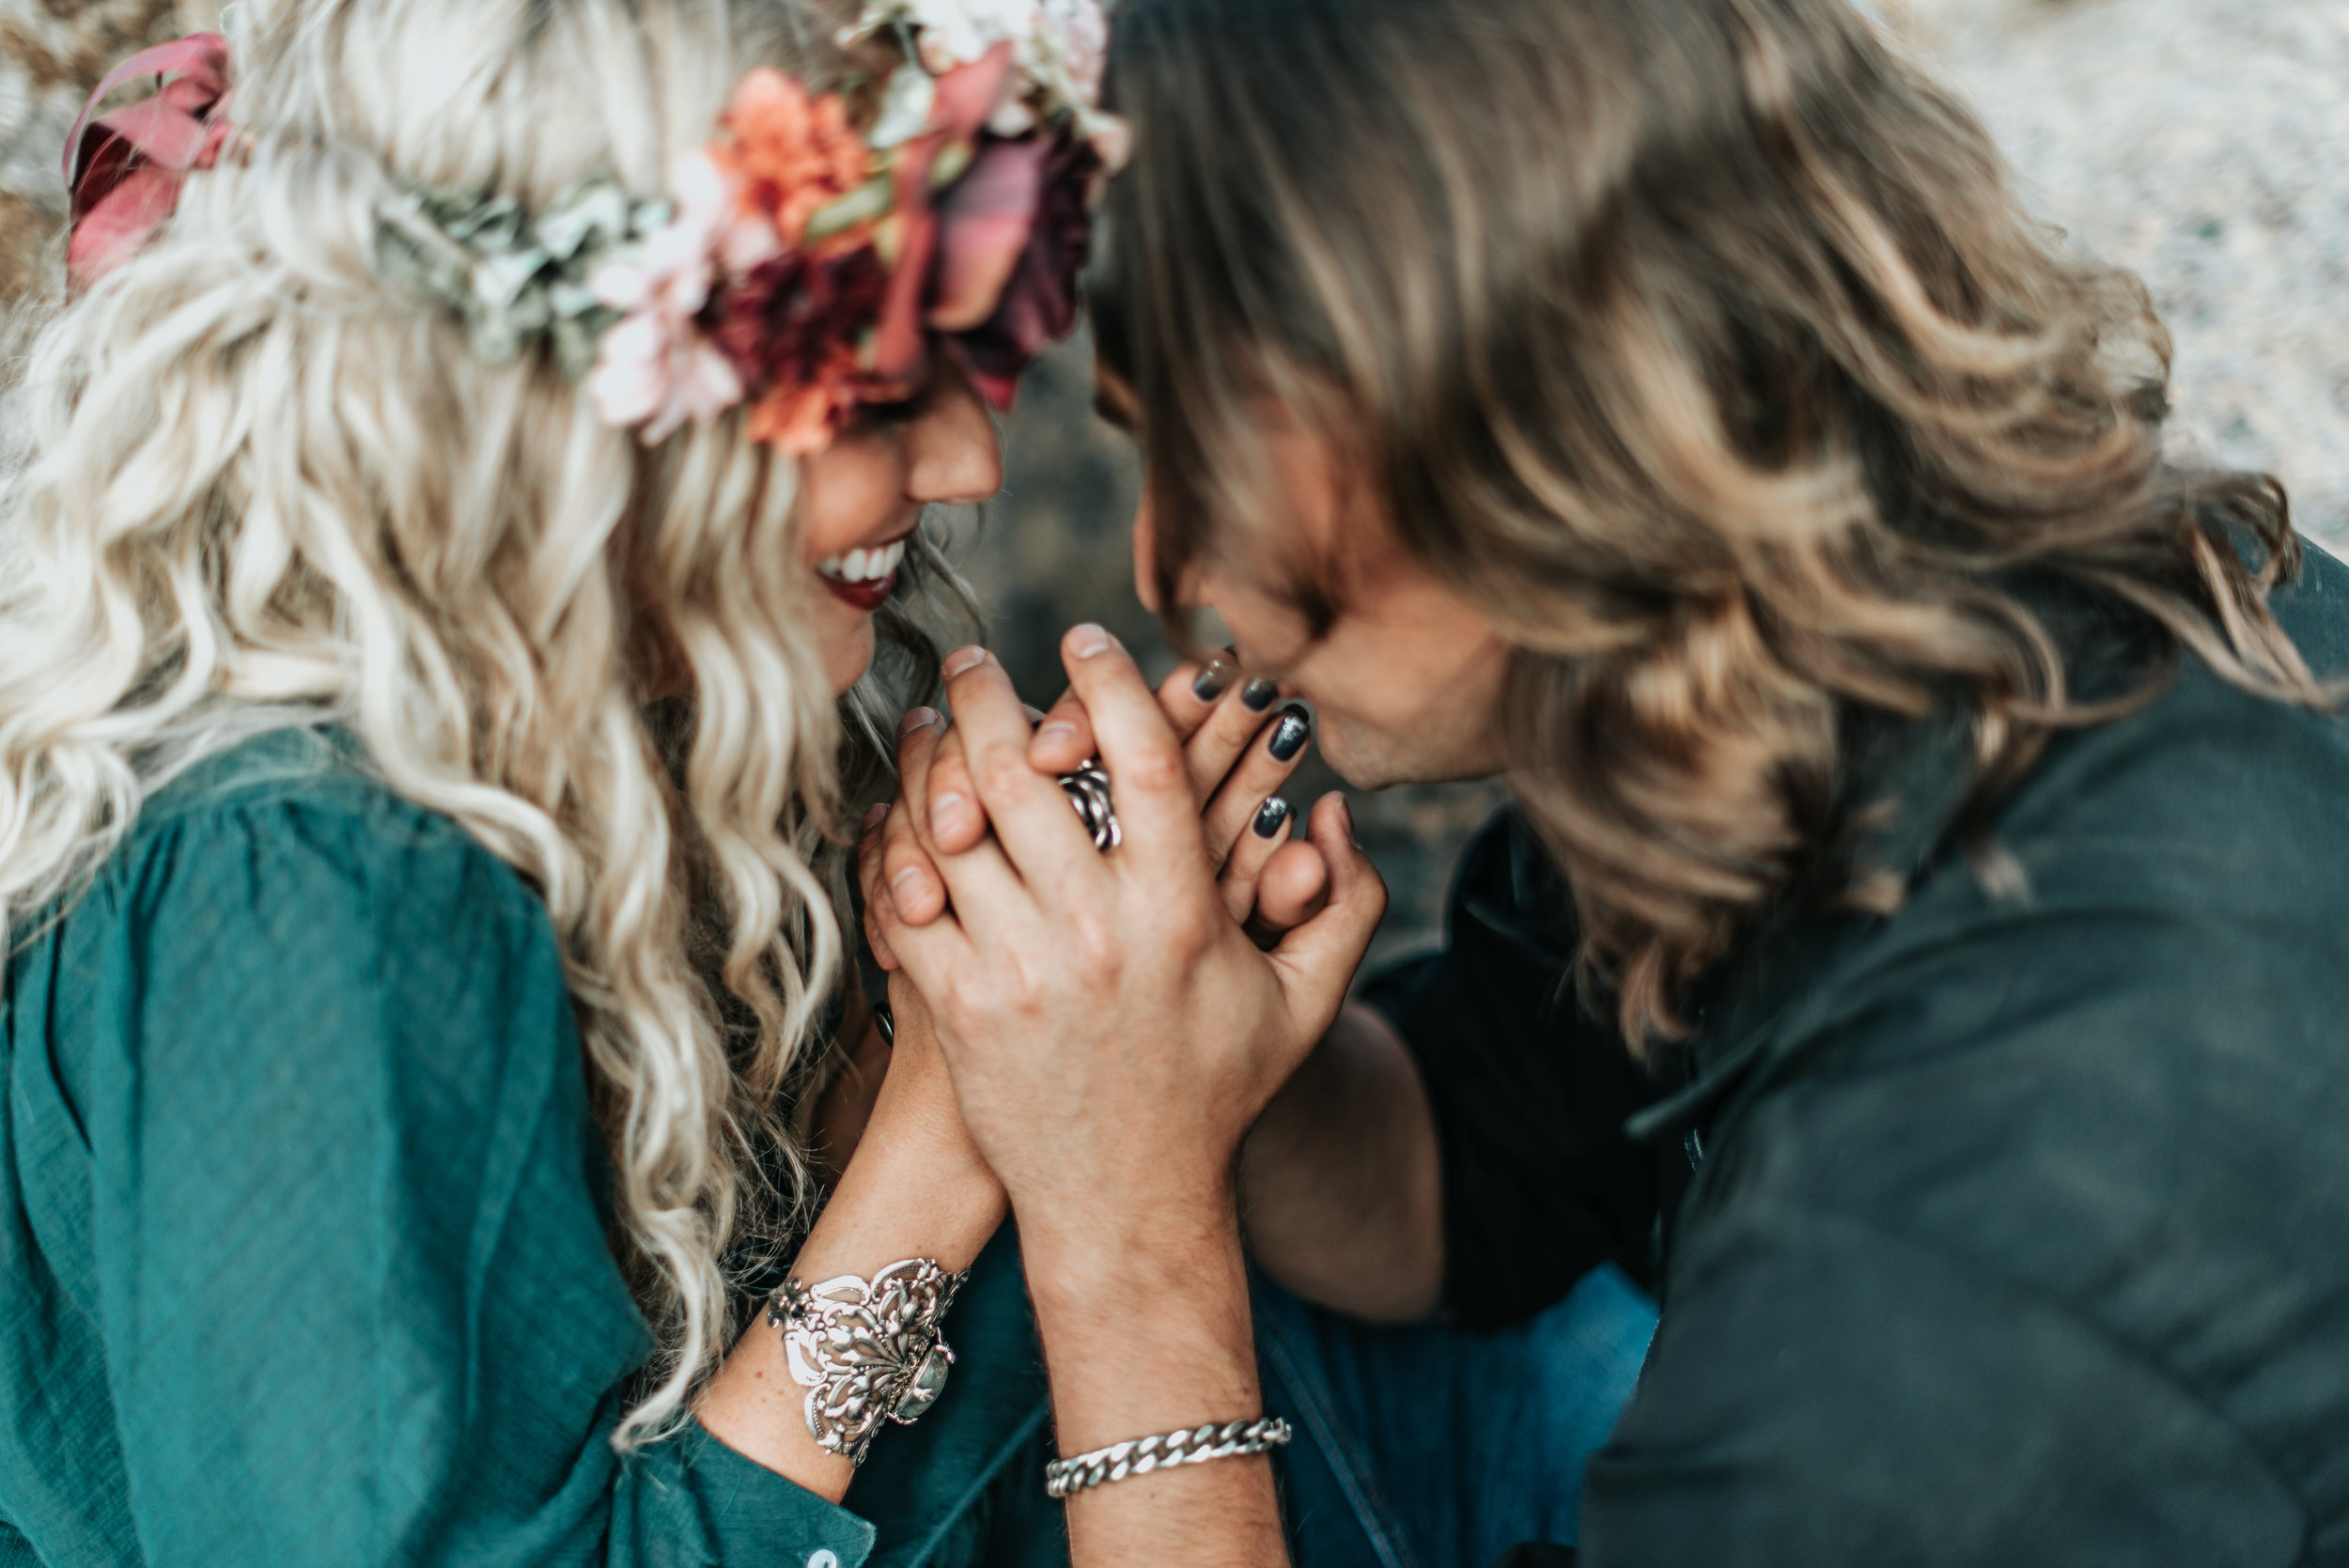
x=124, y=171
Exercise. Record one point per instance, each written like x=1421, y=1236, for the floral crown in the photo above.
x=798, y=263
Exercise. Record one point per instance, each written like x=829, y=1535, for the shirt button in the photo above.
x=822, y=1556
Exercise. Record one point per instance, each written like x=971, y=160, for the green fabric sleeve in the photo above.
x=355, y=1294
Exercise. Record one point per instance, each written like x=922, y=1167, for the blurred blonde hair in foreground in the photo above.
x=259, y=488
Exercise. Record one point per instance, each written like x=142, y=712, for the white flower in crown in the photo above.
x=1058, y=49
x=950, y=33
x=1072, y=37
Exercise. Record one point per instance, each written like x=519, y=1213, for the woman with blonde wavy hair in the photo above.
x=453, y=515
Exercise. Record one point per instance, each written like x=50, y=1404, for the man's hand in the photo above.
x=1038, y=908
x=1111, y=1033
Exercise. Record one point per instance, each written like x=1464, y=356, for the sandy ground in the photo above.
x=2204, y=143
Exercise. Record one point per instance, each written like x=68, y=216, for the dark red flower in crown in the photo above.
x=1015, y=231
x=791, y=329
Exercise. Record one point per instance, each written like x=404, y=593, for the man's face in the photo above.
x=1407, y=686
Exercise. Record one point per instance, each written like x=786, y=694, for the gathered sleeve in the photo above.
x=349, y=1216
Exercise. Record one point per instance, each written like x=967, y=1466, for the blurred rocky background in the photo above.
x=2202, y=143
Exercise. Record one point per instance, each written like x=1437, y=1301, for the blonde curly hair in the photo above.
x=259, y=487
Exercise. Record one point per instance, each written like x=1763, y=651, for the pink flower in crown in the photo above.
x=1013, y=234
x=657, y=368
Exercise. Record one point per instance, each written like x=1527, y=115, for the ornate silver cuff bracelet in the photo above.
x=867, y=1349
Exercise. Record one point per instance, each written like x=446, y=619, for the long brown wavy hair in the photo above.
x=1705, y=346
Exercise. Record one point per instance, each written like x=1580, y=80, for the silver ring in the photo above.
x=1088, y=790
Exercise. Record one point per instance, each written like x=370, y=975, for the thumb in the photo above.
x=1316, y=961
x=868, y=861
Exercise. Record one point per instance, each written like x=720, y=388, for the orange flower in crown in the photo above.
x=799, y=265
x=794, y=154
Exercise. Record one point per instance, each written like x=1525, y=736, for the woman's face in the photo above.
x=862, y=496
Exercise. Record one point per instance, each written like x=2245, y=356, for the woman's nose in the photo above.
x=952, y=451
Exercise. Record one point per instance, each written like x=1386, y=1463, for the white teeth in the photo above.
x=862, y=564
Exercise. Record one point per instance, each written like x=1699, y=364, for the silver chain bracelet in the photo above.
x=1141, y=1455
x=866, y=1350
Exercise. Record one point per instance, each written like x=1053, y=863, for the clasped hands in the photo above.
x=1110, y=1025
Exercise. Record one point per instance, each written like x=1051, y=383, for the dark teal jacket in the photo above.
x=302, y=1253
x=2009, y=1229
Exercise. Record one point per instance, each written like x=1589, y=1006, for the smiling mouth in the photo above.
x=863, y=577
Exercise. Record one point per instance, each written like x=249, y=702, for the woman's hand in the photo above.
x=915, y=1188
x=1069, y=982
x=1240, y=744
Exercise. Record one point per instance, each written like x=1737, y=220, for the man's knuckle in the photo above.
x=1001, y=770
x=1159, y=768
x=1190, y=930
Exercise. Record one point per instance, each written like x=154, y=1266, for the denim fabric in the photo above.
x=1415, y=1448
x=1435, y=1448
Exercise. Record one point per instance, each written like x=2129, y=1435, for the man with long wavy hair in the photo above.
x=1920, y=947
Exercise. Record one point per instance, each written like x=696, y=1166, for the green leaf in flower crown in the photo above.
x=593, y=216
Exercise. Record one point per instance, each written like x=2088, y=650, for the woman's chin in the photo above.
x=847, y=654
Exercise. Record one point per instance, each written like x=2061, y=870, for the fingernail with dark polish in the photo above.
x=1270, y=816
x=1258, y=694
x=1289, y=734
x=1214, y=680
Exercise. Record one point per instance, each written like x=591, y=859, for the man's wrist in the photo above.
x=1143, y=1333
x=1084, y=1256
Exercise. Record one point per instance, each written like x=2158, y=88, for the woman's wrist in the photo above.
x=915, y=1188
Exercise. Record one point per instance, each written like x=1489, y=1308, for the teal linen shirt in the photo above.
x=302, y=1253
